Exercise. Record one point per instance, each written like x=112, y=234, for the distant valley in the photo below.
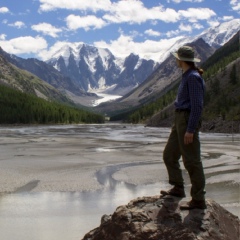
x=81, y=71
x=95, y=79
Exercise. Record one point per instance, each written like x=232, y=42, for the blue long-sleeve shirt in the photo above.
x=190, y=97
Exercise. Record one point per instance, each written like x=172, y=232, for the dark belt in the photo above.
x=181, y=110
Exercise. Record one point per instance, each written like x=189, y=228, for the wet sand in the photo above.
x=94, y=168
x=66, y=158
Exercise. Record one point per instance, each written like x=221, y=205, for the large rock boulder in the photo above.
x=154, y=218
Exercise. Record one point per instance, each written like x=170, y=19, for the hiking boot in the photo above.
x=175, y=191
x=194, y=204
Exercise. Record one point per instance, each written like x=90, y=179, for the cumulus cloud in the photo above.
x=195, y=14
x=96, y=14
x=213, y=23
x=148, y=49
x=86, y=22
x=17, y=24
x=188, y=27
x=235, y=5
x=172, y=33
x=47, y=29
x=153, y=33
x=130, y=11
x=93, y=5
x=133, y=11
x=197, y=26
x=227, y=18
x=3, y=36
x=26, y=45
x=185, y=27
x=4, y=10
x=179, y=1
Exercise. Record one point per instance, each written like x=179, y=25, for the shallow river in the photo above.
x=40, y=165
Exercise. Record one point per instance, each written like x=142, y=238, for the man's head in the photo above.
x=185, y=54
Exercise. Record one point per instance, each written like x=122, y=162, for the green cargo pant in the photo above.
x=190, y=153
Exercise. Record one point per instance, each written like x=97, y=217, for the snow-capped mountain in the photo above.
x=96, y=69
x=219, y=35
x=215, y=36
x=82, y=71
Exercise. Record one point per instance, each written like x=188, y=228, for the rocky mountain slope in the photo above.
x=79, y=70
x=158, y=83
x=24, y=81
x=155, y=218
x=222, y=107
x=95, y=68
x=45, y=72
x=219, y=35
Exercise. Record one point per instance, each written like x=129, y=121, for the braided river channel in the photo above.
x=57, y=181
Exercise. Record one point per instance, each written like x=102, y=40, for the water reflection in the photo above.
x=69, y=215
x=66, y=215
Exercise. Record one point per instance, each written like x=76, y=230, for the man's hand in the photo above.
x=188, y=138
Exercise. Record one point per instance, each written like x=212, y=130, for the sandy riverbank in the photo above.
x=62, y=158
x=62, y=179
x=66, y=158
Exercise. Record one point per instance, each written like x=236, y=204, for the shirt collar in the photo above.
x=187, y=72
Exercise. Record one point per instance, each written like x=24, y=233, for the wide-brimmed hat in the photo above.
x=185, y=54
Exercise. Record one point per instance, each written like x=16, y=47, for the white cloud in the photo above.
x=133, y=11
x=172, y=33
x=195, y=14
x=4, y=10
x=227, y=18
x=148, y=49
x=185, y=28
x=235, y=5
x=135, y=34
x=17, y=24
x=197, y=26
x=179, y=1
x=47, y=29
x=213, y=23
x=153, y=33
x=130, y=11
x=74, y=22
x=26, y=45
x=94, y=5
x=3, y=36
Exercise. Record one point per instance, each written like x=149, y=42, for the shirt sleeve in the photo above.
x=196, y=95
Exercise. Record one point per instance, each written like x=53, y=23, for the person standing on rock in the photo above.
x=184, y=137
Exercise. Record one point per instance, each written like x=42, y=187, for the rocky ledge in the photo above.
x=155, y=218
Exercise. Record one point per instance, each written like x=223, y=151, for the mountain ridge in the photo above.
x=97, y=68
x=166, y=75
x=214, y=36
x=84, y=71
x=14, y=77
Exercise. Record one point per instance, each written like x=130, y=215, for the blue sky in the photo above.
x=36, y=28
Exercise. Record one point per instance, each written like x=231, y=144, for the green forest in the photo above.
x=21, y=108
